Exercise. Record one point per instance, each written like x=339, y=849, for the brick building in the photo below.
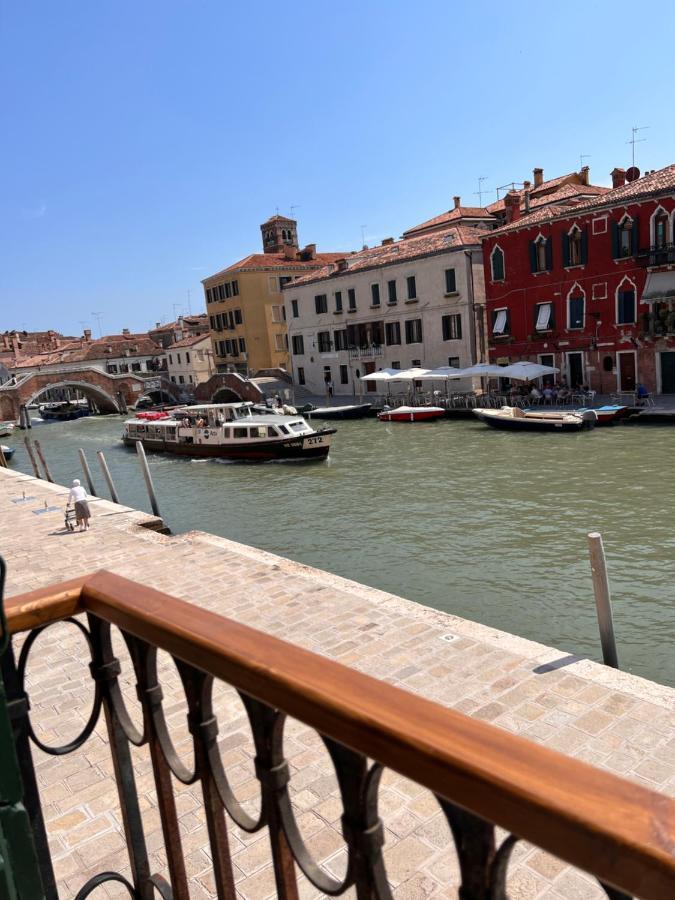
x=588, y=285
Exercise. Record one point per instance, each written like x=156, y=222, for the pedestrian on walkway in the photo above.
x=78, y=496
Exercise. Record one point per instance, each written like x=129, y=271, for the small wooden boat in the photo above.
x=411, y=414
x=8, y=452
x=351, y=411
x=607, y=415
x=512, y=418
x=6, y=428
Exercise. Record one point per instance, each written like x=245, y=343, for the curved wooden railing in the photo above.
x=620, y=832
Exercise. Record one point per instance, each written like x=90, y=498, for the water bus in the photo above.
x=228, y=431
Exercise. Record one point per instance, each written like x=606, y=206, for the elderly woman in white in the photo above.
x=78, y=496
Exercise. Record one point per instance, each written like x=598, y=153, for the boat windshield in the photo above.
x=243, y=412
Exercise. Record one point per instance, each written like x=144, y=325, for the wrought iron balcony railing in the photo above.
x=366, y=352
x=481, y=776
x=658, y=256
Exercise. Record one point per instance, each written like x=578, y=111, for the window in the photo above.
x=450, y=282
x=240, y=432
x=660, y=236
x=338, y=301
x=391, y=291
x=181, y=379
x=187, y=358
x=324, y=341
x=543, y=316
x=284, y=279
x=412, y=287
x=416, y=365
x=452, y=327
x=209, y=295
x=178, y=358
x=170, y=361
x=230, y=319
x=212, y=322
x=344, y=374
x=497, y=264
x=235, y=348
x=575, y=247
x=190, y=377
x=173, y=378
x=225, y=291
x=273, y=284
x=228, y=348
x=112, y=368
x=500, y=322
x=276, y=314
x=340, y=339
x=576, y=312
x=624, y=238
x=242, y=345
x=351, y=299
x=375, y=294
x=237, y=317
x=301, y=374
x=625, y=307
x=413, y=331
x=453, y=362
x=235, y=288
x=540, y=254
x=392, y=333
x=396, y=364
x=321, y=303
x=298, y=345
x=294, y=309
x=279, y=343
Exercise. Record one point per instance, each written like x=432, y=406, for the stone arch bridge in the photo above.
x=110, y=393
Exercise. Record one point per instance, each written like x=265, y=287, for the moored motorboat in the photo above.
x=513, y=418
x=6, y=428
x=7, y=452
x=63, y=412
x=350, y=411
x=411, y=414
x=607, y=415
x=228, y=431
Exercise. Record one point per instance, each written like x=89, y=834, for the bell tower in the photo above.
x=279, y=232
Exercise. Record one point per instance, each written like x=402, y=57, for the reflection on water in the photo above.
x=485, y=524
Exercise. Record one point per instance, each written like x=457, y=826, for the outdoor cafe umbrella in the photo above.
x=380, y=375
x=413, y=374
x=527, y=371
x=442, y=373
x=483, y=370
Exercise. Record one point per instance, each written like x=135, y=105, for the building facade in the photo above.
x=245, y=303
x=413, y=302
x=183, y=327
x=589, y=287
x=190, y=361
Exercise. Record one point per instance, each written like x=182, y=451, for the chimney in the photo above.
x=289, y=252
x=125, y=331
x=512, y=206
x=618, y=177
x=457, y=201
x=387, y=241
x=585, y=175
x=87, y=335
x=527, y=185
x=309, y=252
x=526, y=197
x=538, y=177
x=342, y=265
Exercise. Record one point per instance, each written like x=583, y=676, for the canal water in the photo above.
x=488, y=525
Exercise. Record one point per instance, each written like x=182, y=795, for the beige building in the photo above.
x=245, y=304
x=414, y=302
x=190, y=361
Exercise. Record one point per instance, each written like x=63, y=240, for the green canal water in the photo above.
x=488, y=525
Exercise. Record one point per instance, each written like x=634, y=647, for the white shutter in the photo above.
x=500, y=322
x=543, y=316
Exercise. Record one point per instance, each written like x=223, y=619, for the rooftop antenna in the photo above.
x=363, y=235
x=277, y=209
x=635, y=140
x=98, y=316
x=479, y=193
x=295, y=206
x=511, y=186
x=582, y=157
x=175, y=307
x=83, y=322
x=189, y=304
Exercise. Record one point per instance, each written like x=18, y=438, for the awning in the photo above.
x=660, y=286
x=543, y=316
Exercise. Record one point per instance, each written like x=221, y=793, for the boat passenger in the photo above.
x=200, y=422
x=535, y=393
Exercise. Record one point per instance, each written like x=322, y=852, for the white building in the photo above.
x=190, y=361
x=417, y=301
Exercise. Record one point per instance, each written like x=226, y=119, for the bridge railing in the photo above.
x=481, y=776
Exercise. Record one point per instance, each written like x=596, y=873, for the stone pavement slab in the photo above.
x=611, y=719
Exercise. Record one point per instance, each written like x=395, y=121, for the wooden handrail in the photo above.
x=621, y=832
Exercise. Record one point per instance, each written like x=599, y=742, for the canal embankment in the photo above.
x=612, y=719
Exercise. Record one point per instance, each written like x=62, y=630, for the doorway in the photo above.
x=547, y=359
x=369, y=367
x=626, y=370
x=668, y=372
x=575, y=369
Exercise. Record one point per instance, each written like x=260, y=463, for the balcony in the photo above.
x=658, y=256
x=371, y=352
x=480, y=775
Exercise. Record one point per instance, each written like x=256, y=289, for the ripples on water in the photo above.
x=485, y=524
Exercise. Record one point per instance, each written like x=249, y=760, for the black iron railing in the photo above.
x=658, y=256
x=481, y=776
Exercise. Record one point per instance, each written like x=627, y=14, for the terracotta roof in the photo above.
x=190, y=341
x=453, y=238
x=261, y=261
x=566, y=191
x=196, y=320
x=84, y=351
x=659, y=181
x=278, y=218
x=452, y=215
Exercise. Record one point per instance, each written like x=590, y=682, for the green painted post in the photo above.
x=19, y=868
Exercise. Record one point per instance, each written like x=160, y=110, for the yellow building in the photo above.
x=245, y=305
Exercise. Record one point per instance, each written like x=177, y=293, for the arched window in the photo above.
x=576, y=308
x=540, y=254
x=660, y=237
x=575, y=246
x=497, y=264
x=625, y=237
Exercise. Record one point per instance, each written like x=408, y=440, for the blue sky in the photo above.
x=144, y=142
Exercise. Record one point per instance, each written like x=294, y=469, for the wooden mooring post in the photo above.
x=87, y=473
x=44, y=462
x=31, y=456
x=107, y=476
x=603, y=599
x=140, y=449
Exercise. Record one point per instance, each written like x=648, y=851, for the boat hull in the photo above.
x=411, y=414
x=8, y=452
x=51, y=416
x=315, y=446
x=339, y=412
x=533, y=422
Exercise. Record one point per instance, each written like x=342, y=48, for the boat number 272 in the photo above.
x=313, y=440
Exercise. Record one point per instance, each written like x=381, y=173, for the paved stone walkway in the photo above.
x=611, y=719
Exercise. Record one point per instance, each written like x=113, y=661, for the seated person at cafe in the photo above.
x=535, y=393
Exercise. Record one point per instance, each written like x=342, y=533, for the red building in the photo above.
x=588, y=286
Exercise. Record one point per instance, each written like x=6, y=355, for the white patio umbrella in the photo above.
x=527, y=371
x=380, y=375
x=413, y=374
x=483, y=370
x=442, y=373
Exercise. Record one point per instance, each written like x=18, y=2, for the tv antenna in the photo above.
x=295, y=206
x=511, y=186
x=582, y=157
x=635, y=140
x=479, y=193
x=98, y=316
x=83, y=322
x=363, y=235
x=189, y=304
x=175, y=307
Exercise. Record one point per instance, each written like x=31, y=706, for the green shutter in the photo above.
x=635, y=237
x=615, y=241
x=584, y=246
x=549, y=255
x=566, y=249
x=533, y=256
